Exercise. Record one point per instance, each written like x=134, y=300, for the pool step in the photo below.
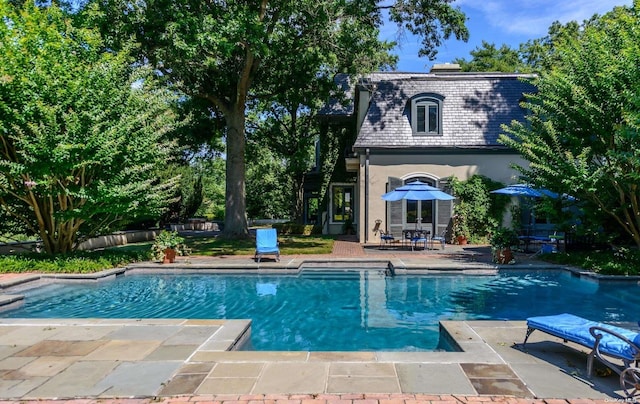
x=338, y=274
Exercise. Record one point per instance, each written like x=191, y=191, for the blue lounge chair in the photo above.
x=267, y=243
x=604, y=340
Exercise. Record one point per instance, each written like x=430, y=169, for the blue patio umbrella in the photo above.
x=520, y=190
x=417, y=191
x=529, y=191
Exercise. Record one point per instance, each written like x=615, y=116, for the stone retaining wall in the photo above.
x=119, y=238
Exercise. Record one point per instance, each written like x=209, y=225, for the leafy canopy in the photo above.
x=533, y=56
x=81, y=132
x=232, y=54
x=582, y=133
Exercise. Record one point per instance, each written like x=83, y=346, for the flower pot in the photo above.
x=503, y=256
x=169, y=256
x=462, y=240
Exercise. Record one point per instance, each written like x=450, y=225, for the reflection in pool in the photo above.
x=358, y=310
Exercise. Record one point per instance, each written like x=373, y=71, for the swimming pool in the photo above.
x=337, y=311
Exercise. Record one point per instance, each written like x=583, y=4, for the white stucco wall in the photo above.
x=463, y=166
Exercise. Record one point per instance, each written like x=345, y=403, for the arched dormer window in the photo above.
x=426, y=115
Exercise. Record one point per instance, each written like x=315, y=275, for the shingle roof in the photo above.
x=473, y=108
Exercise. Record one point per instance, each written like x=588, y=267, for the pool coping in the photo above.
x=293, y=266
x=479, y=347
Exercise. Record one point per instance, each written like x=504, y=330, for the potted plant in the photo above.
x=501, y=240
x=167, y=245
x=460, y=229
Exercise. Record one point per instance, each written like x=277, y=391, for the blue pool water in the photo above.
x=360, y=310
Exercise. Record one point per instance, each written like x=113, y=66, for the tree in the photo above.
x=287, y=122
x=267, y=184
x=228, y=52
x=488, y=58
x=541, y=54
x=81, y=133
x=212, y=173
x=582, y=133
x=533, y=56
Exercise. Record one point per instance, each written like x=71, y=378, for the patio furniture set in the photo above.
x=411, y=239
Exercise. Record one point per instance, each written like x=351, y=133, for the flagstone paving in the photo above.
x=176, y=361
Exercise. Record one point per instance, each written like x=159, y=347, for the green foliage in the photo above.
x=212, y=172
x=297, y=229
x=533, y=56
x=233, y=54
x=624, y=261
x=11, y=237
x=459, y=226
x=289, y=130
x=187, y=195
x=542, y=54
x=268, y=195
x=82, y=131
x=582, y=131
x=169, y=239
x=426, y=19
x=488, y=58
x=77, y=262
x=481, y=211
x=503, y=237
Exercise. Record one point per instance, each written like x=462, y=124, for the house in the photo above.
x=417, y=126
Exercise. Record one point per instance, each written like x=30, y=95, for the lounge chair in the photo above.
x=604, y=340
x=267, y=243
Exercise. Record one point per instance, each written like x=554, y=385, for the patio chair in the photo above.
x=606, y=342
x=386, y=238
x=267, y=243
x=376, y=228
x=419, y=236
x=439, y=239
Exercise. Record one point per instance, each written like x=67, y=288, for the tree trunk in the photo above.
x=297, y=209
x=235, y=220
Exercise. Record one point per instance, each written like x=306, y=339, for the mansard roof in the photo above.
x=474, y=106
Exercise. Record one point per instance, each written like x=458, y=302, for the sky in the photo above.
x=510, y=22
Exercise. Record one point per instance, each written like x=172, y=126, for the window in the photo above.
x=422, y=210
x=311, y=207
x=341, y=203
x=426, y=116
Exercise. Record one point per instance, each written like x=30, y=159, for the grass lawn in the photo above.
x=624, y=262
x=289, y=245
x=95, y=261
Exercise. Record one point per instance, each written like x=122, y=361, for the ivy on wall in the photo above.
x=481, y=210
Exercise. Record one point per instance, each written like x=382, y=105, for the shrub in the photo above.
x=503, y=237
x=77, y=262
x=291, y=228
x=481, y=210
x=168, y=239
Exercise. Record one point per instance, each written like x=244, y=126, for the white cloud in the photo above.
x=533, y=17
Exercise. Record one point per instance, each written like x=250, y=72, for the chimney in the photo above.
x=445, y=68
